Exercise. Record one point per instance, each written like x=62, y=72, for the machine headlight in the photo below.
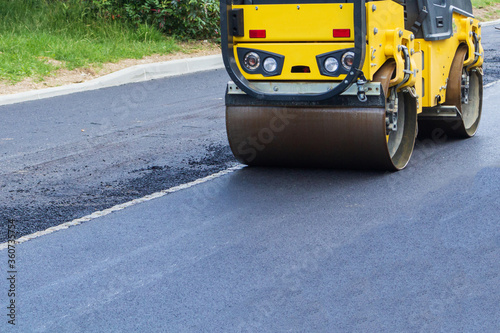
x=270, y=64
x=331, y=64
x=348, y=60
x=252, y=61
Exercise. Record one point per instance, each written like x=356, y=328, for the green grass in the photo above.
x=34, y=32
x=484, y=3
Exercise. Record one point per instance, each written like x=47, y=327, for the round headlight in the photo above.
x=348, y=60
x=270, y=64
x=252, y=61
x=331, y=64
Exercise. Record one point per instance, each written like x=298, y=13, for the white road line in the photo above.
x=491, y=84
x=122, y=206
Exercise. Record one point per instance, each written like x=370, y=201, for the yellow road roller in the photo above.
x=347, y=84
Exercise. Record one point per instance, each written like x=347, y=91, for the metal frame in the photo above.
x=246, y=86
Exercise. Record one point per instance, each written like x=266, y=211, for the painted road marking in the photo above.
x=122, y=206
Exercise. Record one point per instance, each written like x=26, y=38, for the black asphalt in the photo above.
x=66, y=157
x=491, y=41
x=287, y=250
x=259, y=250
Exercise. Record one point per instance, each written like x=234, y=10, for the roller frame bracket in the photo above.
x=303, y=88
x=440, y=112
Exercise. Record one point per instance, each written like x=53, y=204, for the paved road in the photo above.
x=490, y=41
x=258, y=250
x=278, y=250
x=65, y=157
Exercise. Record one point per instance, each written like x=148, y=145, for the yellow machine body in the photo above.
x=299, y=32
x=358, y=113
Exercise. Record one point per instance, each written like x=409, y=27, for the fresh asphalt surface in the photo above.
x=65, y=157
x=258, y=250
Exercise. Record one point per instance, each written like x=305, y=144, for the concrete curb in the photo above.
x=486, y=24
x=132, y=74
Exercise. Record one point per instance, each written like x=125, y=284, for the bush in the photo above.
x=197, y=19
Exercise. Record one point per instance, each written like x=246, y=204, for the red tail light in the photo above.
x=341, y=33
x=257, y=33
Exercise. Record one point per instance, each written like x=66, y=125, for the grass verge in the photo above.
x=38, y=37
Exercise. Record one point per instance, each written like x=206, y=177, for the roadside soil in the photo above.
x=489, y=13
x=63, y=76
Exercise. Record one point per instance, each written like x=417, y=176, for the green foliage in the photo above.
x=196, y=19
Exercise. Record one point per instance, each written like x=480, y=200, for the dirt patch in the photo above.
x=51, y=61
x=489, y=13
x=63, y=76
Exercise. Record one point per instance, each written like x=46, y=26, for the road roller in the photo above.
x=348, y=84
